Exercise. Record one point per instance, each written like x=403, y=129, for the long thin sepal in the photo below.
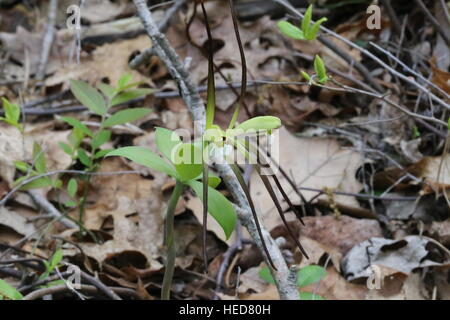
x=269, y=188
x=205, y=212
x=243, y=64
x=241, y=180
x=211, y=99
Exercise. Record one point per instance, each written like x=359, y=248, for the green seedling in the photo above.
x=9, y=292
x=85, y=145
x=306, y=30
x=321, y=72
x=12, y=114
x=305, y=276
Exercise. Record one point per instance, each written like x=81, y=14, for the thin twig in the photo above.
x=91, y=289
x=371, y=56
x=163, y=25
x=433, y=21
x=50, y=208
x=47, y=41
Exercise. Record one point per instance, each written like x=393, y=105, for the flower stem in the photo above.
x=169, y=241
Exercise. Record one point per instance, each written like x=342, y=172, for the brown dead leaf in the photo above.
x=97, y=66
x=313, y=162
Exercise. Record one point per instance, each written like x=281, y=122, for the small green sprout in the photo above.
x=12, y=114
x=305, y=276
x=9, y=292
x=306, y=32
x=321, y=72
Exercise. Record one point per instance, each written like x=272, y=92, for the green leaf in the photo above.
x=290, y=30
x=166, y=141
x=306, y=76
x=145, y=157
x=12, y=111
x=320, y=69
x=22, y=166
x=130, y=95
x=107, y=90
x=218, y=206
x=261, y=123
x=310, y=274
x=124, y=80
x=70, y=204
x=77, y=124
x=307, y=20
x=8, y=291
x=125, y=116
x=84, y=158
x=265, y=274
x=66, y=148
x=102, y=153
x=35, y=184
x=88, y=96
x=310, y=296
x=314, y=30
x=101, y=138
x=56, y=258
x=213, y=180
x=72, y=187
x=39, y=158
x=188, y=161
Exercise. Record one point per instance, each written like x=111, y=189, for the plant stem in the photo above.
x=169, y=241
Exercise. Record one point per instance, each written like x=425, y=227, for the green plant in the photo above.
x=306, y=30
x=9, y=292
x=12, y=114
x=90, y=152
x=308, y=275
x=180, y=163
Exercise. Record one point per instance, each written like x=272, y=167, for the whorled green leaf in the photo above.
x=261, y=123
x=145, y=157
x=9, y=292
x=126, y=116
x=310, y=274
x=188, y=161
x=88, y=96
x=166, y=141
x=218, y=206
x=290, y=30
x=130, y=95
